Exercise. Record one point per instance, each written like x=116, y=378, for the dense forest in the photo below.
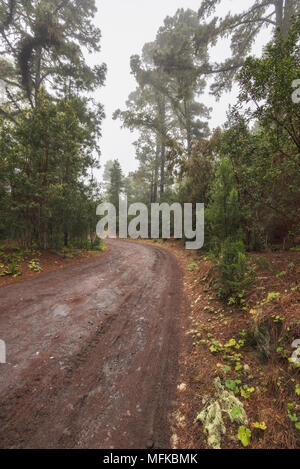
x=247, y=172
x=50, y=126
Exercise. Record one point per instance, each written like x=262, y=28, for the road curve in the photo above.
x=92, y=353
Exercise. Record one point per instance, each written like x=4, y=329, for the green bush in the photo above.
x=232, y=268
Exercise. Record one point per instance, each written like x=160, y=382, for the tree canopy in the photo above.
x=50, y=127
x=242, y=30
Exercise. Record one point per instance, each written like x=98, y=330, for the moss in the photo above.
x=212, y=414
x=211, y=417
x=229, y=402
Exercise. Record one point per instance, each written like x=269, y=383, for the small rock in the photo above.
x=150, y=444
x=181, y=387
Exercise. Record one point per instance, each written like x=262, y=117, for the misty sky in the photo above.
x=126, y=26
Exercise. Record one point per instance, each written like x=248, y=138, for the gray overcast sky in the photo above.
x=126, y=26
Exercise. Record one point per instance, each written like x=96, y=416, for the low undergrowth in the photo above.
x=17, y=262
x=247, y=344
x=13, y=258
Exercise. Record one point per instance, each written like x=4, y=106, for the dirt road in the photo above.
x=92, y=353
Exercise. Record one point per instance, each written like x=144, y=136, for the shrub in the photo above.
x=232, y=268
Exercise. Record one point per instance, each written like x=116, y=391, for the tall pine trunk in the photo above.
x=162, y=169
x=289, y=10
x=156, y=171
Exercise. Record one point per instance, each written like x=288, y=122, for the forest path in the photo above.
x=92, y=352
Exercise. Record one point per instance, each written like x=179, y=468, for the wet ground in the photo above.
x=92, y=353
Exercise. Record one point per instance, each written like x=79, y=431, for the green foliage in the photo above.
x=242, y=29
x=246, y=391
x=233, y=385
x=272, y=296
x=34, y=265
x=48, y=132
x=164, y=107
x=223, y=215
x=263, y=144
x=236, y=412
x=46, y=154
x=193, y=186
x=115, y=183
x=45, y=44
x=192, y=267
x=292, y=415
x=259, y=425
x=232, y=268
x=246, y=174
x=244, y=435
x=224, y=226
x=12, y=269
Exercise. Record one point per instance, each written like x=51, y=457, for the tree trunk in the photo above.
x=152, y=188
x=66, y=239
x=163, y=133
x=155, y=185
x=279, y=13
x=37, y=81
x=45, y=238
x=162, y=169
x=188, y=128
x=289, y=10
x=189, y=142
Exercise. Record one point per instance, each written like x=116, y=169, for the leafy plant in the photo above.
x=272, y=296
x=236, y=411
x=244, y=435
x=292, y=415
x=192, y=267
x=34, y=265
x=259, y=425
x=233, y=385
x=246, y=391
x=12, y=269
x=232, y=268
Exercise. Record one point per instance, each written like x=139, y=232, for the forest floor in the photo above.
x=30, y=263
x=248, y=347
x=92, y=352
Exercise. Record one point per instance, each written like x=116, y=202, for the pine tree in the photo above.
x=116, y=184
x=242, y=29
x=40, y=44
x=224, y=213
